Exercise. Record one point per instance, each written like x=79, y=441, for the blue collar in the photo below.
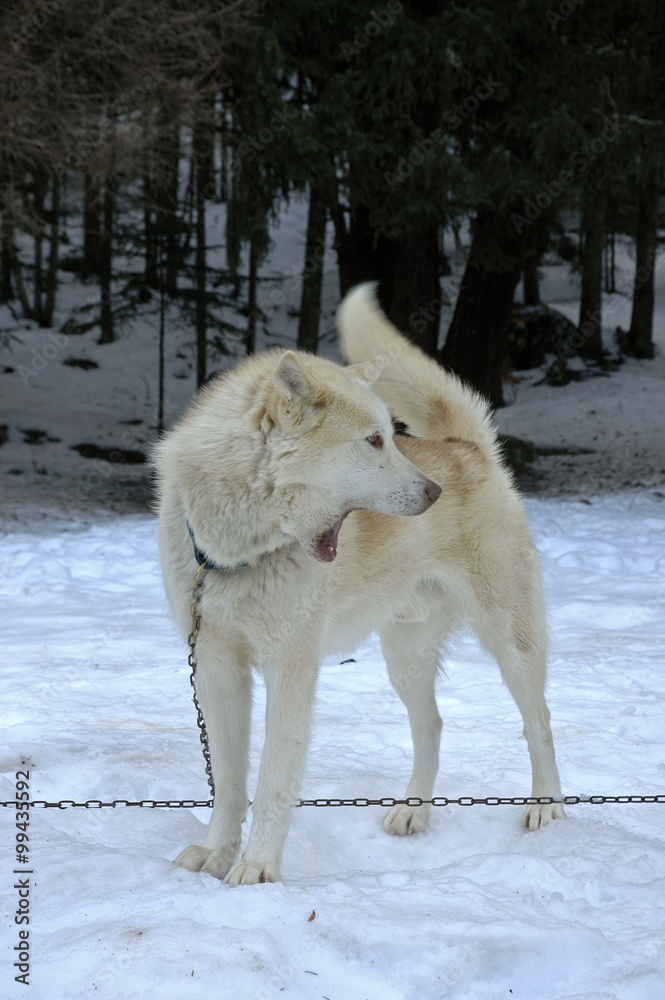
x=203, y=560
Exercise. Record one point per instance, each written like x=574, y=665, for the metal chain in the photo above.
x=386, y=801
x=490, y=800
x=191, y=660
x=98, y=804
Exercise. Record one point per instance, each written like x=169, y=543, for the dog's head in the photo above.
x=331, y=450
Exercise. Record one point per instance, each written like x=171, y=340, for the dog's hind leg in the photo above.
x=517, y=642
x=411, y=650
x=224, y=692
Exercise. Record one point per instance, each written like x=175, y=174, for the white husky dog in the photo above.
x=287, y=474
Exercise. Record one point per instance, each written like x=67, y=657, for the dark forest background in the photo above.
x=395, y=119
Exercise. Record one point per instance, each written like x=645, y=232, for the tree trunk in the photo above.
x=475, y=344
x=7, y=250
x=149, y=230
x=530, y=272
x=338, y=218
x=250, y=338
x=200, y=263
x=54, y=244
x=206, y=152
x=609, y=264
x=410, y=291
x=640, y=335
x=91, y=227
x=312, y=273
x=612, y=226
x=11, y=260
x=162, y=338
x=39, y=280
x=106, y=248
x=359, y=250
x=20, y=288
x=41, y=181
x=406, y=268
x=223, y=195
x=590, y=322
x=165, y=187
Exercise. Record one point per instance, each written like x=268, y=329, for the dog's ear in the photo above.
x=366, y=372
x=290, y=380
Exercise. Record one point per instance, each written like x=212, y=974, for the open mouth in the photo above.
x=326, y=544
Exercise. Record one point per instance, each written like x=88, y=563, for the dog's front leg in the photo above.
x=224, y=691
x=290, y=685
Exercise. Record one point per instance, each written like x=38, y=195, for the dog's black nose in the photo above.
x=433, y=491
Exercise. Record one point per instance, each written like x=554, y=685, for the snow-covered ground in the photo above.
x=96, y=705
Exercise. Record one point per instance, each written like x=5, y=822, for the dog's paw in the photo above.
x=193, y=858
x=403, y=820
x=540, y=815
x=246, y=873
x=203, y=859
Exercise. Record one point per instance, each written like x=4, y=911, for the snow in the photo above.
x=96, y=699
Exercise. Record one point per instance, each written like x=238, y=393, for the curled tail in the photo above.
x=431, y=402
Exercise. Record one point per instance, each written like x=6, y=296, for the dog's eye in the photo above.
x=375, y=440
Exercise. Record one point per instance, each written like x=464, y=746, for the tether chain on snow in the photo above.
x=386, y=801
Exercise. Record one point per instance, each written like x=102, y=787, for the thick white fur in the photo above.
x=263, y=464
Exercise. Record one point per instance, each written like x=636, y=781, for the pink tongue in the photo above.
x=327, y=544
